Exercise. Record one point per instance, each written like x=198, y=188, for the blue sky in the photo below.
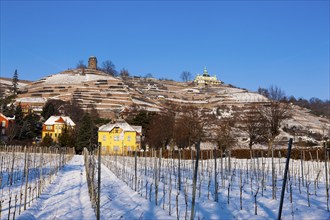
x=245, y=43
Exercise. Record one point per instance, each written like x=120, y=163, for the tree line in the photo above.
x=108, y=67
x=185, y=125
x=317, y=106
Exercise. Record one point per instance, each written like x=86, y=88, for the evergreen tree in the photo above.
x=19, y=120
x=74, y=110
x=15, y=82
x=31, y=127
x=48, y=110
x=86, y=134
x=67, y=138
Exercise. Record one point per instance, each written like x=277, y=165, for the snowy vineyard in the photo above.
x=24, y=173
x=159, y=185
x=225, y=188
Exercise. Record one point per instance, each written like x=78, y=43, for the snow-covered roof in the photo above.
x=7, y=118
x=137, y=128
x=59, y=120
x=120, y=124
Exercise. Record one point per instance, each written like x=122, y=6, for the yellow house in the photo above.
x=119, y=137
x=54, y=126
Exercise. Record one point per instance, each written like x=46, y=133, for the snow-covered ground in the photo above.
x=75, y=78
x=124, y=198
x=118, y=201
x=66, y=198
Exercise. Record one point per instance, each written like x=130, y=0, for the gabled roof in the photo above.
x=120, y=124
x=137, y=129
x=7, y=118
x=59, y=120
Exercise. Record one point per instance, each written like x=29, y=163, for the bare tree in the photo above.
x=276, y=93
x=149, y=75
x=273, y=114
x=224, y=134
x=263, y=91
x=185, y=76
x=160, y=130
x=11, y=131
x=124, y=73
x=253, y=124
x=109, y=68
x=81, y=64
x=190, y=126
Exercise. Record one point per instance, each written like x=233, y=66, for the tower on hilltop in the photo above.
x=92, y=63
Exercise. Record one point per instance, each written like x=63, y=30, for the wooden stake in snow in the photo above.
x=179, y=171
x=195, y=181
x=135, y=169
x=326, y=174
x=99, y=182
x=284, y=179
x=215, y=176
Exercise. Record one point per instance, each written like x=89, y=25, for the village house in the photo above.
x=31, y=104
x=55, y=125
x=119, y=137
x=4, y=125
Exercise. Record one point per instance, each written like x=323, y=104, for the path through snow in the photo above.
x=66, y=198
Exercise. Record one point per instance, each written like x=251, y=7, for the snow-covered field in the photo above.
x=244, y=189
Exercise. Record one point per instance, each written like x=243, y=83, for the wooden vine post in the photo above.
x=195, y=181
x=284, y=179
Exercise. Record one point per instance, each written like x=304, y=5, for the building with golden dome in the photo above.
x=205, y=79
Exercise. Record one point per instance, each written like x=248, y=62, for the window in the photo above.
x=49, y=127
x=128, y=138
x=116, y=138
x=3, y=131
x=104, y=137
x=3, y=124
x=55, y=135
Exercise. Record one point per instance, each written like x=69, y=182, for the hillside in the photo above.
x=6, y=85
x=112, y=95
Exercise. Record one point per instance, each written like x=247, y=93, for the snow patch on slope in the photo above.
x=75, y=78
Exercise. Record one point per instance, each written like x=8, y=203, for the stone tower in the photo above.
x=92, y=63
